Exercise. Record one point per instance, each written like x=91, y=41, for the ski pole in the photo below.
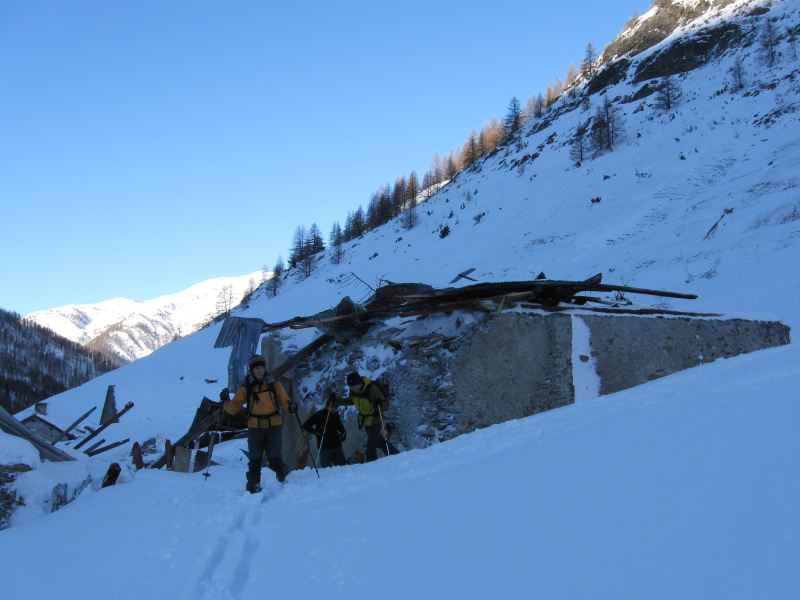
x=213, y=435
x=211, y=441
x=383, y=428
x=324, y=429
x=300, y=425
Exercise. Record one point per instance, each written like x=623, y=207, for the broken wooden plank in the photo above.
x=75, y=423
x=109, y=414
x=624, y=311
x=136, y=453
x=602, y=287
x=97, y=444
x=108, y=447
x=544, y=288
x=125, y=409
x=300, y=356
x=169, y=455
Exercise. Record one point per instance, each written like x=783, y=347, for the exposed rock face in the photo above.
x=688, y=53
x=8, y=497
x=611, y=74
x=664, y=17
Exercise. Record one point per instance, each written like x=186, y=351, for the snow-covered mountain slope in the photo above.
x=661, y=192
x=651, y=227
x=130, y=329
x=659, y=491
x=686, y=487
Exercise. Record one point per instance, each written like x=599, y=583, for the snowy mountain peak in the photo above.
x=130, y=329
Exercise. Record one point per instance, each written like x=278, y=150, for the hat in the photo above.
x=255, y=361
x=354, y=378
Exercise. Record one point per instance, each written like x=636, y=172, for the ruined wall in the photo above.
x=514, y=366
x=629, y=351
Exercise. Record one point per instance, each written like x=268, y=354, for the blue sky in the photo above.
x=149, y=145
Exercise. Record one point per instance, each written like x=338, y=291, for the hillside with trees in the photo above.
x=38, y=363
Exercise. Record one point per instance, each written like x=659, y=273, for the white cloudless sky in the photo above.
x=149, y=145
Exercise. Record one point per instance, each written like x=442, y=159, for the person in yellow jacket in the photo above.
x=266, y=402
x=369, y=401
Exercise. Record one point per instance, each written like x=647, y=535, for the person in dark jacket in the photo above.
x=326, y=425
x=266, y=402
x=369, y=402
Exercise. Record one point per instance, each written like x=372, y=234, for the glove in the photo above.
x=292, y=407
x=223, y=395
x=377, y=402
x=332, y=398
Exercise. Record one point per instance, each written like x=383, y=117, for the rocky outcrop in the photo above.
x=9, y=499
x=688, y=53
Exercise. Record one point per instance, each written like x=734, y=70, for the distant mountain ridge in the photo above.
x=129, y=329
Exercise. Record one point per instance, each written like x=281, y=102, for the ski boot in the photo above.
x=253, y=482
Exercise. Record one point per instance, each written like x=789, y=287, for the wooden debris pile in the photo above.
x=348, y=319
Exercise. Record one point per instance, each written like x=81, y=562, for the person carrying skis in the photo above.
x=266, y=401
x=369, y=401
x=326, y=425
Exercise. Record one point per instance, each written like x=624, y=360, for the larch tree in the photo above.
x=436, y=168
x=315, y=242
x=335, y=241
x=589, y=57
x=607, y=127
x=275, y=281
x=297, y=252
x=737, y=74
x=668, y=93
x=398, y=196
x=359, y=224
x=513, y=119
x=412, y=190
x=224, y=300
x=450, y=168
x=470, y=153
x=769, y=43
x=579, y=145
x=571, y=76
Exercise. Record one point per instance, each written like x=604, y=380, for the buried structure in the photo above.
x=457, y=359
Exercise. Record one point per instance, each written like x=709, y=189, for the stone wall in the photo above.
x=516, y=364
x=629, y=351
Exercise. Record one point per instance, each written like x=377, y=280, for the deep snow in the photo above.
x=686, y=487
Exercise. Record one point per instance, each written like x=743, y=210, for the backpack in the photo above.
x=383, y=387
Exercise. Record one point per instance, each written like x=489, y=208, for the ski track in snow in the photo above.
x=226, y=570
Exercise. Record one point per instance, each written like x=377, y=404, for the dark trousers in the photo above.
x=264, y=441
x=375, y=441
x=331, y=457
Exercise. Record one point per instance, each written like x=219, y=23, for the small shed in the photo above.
x=45, y=429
